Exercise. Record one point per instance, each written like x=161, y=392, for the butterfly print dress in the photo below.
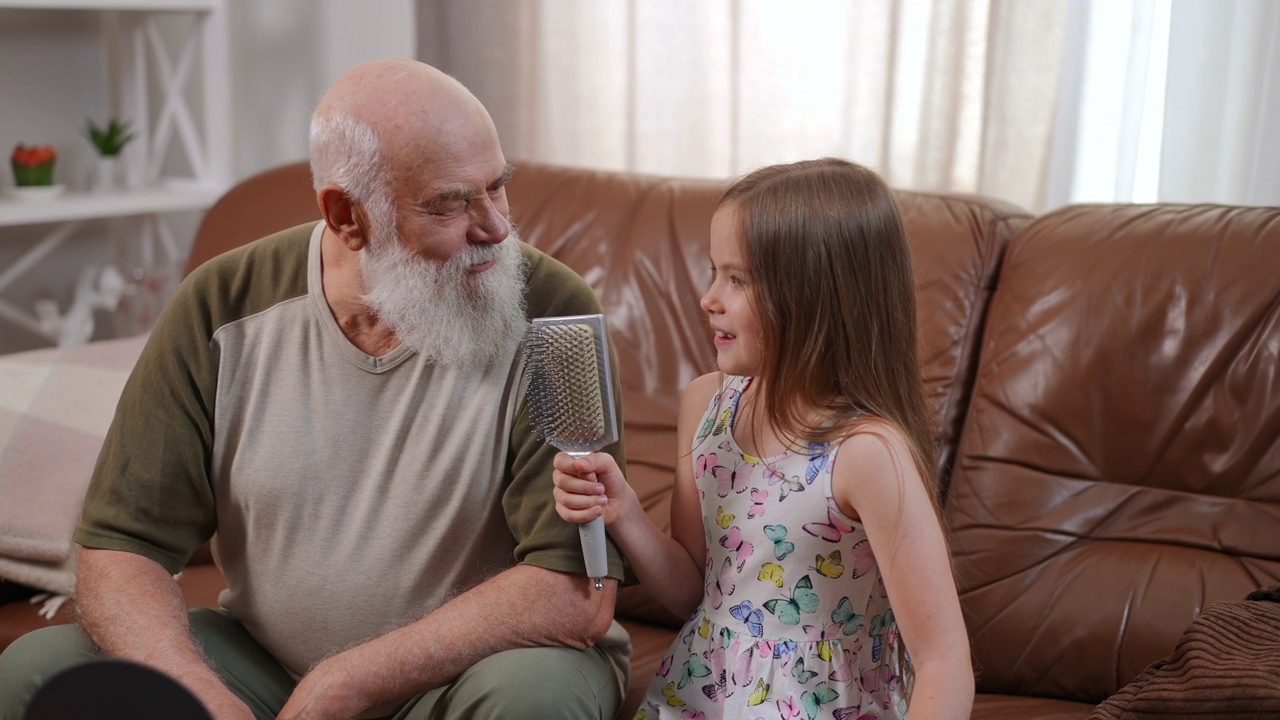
x=794, y=620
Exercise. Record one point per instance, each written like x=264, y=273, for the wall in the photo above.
x=283, y=54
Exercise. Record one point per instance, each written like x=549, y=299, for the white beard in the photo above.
x=448, y=315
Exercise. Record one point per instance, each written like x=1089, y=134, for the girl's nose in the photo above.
x=707, y=303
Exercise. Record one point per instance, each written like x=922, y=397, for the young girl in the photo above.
x=805, y=538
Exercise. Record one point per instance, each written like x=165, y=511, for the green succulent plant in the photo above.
x=109, y=140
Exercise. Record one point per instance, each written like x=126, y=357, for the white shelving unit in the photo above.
x=148, y=83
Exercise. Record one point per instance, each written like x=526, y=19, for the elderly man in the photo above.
x=337, y=406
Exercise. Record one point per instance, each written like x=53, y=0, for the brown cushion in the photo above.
x=1226, y=665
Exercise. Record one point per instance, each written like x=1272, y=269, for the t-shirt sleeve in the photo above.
x=542, y=537
x=150, y=492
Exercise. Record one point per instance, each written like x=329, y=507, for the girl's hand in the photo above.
x=589, y=487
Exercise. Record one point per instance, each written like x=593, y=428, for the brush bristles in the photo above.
x=566, y=400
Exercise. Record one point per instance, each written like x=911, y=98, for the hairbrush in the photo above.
x=570, y=395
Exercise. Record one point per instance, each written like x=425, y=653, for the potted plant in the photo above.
x=33, y=171
x=33, y=165
x=109, y=141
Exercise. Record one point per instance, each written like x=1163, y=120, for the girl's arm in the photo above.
x=670, y=568
x=875, y=479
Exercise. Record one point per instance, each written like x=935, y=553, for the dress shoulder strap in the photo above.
x=722, y=409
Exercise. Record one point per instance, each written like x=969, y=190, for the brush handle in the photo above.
x=592, y=536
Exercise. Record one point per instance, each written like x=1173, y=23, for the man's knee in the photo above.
x=537, y=683
x=33, y=659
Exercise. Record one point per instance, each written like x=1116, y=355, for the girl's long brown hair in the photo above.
x=834, y=293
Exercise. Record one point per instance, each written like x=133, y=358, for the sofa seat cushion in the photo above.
x=1021, y=707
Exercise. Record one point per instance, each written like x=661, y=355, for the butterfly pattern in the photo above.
x=794, y=621
x=737, y=544
x=782, y=547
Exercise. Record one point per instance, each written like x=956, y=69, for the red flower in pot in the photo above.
x=33, y=164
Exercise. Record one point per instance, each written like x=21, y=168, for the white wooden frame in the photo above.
x=134, y=24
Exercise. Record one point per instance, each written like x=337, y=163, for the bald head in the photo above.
x=400, y=98
x=383, y=119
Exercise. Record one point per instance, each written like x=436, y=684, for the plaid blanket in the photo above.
x=55, y=408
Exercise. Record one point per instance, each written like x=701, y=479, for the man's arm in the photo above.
x=524, y=606
x=132, y=608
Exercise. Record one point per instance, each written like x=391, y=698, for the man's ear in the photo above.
x=344, y=217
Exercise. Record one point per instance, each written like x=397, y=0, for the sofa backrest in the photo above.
x=642, y=244
x=957, y=244
x=255, y=207
x=1119, y=466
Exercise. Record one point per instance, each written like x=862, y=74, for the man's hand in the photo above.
x=323, y=693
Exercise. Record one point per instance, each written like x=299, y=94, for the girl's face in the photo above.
x=728, y=301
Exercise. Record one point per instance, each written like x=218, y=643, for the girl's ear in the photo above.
x=344, y=217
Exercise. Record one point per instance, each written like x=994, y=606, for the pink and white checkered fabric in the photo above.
x=55, y=408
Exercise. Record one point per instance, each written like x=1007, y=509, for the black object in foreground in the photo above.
x=113, y=690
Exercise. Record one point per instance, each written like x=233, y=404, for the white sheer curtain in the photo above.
x=1169, y=100
x=1222, y=116
x=1039, y=103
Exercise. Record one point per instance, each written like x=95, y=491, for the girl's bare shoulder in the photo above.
x=875, y=435
x=700, y=391
x=874, y=454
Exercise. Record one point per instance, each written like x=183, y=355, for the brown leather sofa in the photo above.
x=1106, y=388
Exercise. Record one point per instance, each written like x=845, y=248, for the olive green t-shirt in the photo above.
x=349, y=494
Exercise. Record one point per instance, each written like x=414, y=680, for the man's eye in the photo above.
x=448, y=207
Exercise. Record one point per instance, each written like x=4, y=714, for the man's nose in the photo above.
x=490, y=224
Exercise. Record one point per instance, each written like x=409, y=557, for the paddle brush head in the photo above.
x=570, y=393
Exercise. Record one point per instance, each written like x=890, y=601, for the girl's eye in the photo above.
x=737, y=281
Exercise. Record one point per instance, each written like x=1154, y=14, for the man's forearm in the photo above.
x=521, y=607
x=133, y=609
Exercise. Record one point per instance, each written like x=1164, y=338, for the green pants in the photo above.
x=524, y=683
